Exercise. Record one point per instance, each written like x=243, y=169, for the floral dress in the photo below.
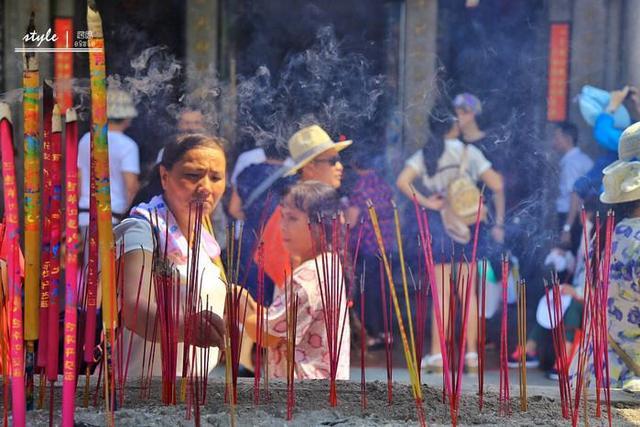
x=312, y=358
x=624, y=300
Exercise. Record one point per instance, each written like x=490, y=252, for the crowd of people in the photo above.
x=277, y=191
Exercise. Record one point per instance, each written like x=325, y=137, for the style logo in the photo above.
x=33, y=36
x=64, y=42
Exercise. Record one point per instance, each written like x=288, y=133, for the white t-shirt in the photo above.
x=574, y=164
x=449, y=164
x=123, y=157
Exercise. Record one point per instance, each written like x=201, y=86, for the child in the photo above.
x=303, y=205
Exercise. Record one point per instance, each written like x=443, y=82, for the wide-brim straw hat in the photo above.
x=629, y=144
x=120, y=105
x=310, y=142
x=621, y=182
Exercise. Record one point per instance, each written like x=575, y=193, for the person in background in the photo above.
x=370, y=186
x=622, y=190
x=437, y=164
x=316, y=158
x=263, y=202
x=607, y=135
x=574, y=163
x=124, y=159
x=302, y=236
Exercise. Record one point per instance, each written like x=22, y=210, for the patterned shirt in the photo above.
x=312, y=357
x=624, y=298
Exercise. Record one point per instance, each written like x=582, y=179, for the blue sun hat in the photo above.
x=593, y=101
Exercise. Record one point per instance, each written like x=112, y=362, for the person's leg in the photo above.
x=472, y=321
x=443, y=275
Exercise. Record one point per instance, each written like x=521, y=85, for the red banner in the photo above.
x=558, y=83
x=63, y=63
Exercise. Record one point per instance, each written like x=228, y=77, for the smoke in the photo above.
x=322, y=85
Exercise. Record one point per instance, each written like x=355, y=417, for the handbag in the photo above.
x=461, y=207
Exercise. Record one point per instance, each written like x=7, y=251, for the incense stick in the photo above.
x=522, y=343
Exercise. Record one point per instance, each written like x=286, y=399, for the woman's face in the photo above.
x=296, y=235
x=325, y=168
x=199, y=175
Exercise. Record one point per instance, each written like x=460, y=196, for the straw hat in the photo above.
x=310, y=142
x=621, y=182
x=120, y=105
x=629, y=145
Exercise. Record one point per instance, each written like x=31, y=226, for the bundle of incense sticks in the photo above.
x=421, y=311
x=387, y=320
x=554, y=308
x=503, y=395
x=32, y=228
x=291, y=313
x=167, y=294
x=192, y=297
x=235, y=313
x=482, y=332
x=363, y=345
x=425, y=239
x=260, y=326
x=522, y=343
x=469, y=292
x=594, y=337
x=410, y=357
x=332, y=293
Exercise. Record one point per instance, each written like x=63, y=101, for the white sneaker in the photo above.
x=432, y=363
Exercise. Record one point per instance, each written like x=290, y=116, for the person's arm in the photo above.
x=604, y=131
x=404, y=181
x=574, y=208
x=132, y=184
x=251, y=328
x=494, y=181
x=250, y=307
x=140, y=308
x=235, y=205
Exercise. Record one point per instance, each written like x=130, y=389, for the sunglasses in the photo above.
x=331, y=160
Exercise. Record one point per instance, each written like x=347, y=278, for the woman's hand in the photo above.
x=497, y=233
x=207, y=329
x=616, y=99
x=434, y=202
x=566, y=289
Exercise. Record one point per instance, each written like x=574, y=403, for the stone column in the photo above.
x=421, y=30
x=631, y=52
x=201, y=39
x=588, y=59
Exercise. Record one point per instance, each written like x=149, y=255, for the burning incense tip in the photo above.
x=5, y=112
x=71, y=115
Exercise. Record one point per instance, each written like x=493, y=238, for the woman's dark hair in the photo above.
x=173, y=152
x=440, y=122
x=624, y=210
